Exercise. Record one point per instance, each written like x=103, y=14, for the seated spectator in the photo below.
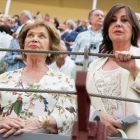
x=6, y=29
x=82, y=27
x=63, y=62
x=69, y=36
x=91, y=38
x=32, y=112
x=39, y=16
x=14, y=60
x=14, y=25
x=1, y=20
x=55, y=22
x=47, y=17
x=17, y=20
x=25, y=18
x=5, y=39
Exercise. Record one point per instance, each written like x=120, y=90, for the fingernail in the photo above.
x=4, y=136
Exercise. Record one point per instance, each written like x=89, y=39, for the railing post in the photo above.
x=83, y=129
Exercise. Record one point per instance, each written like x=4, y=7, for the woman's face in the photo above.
x=120, y=30
x=37, y=39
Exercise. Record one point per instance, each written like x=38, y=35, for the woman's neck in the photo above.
x=36, y=65
x=121, y=47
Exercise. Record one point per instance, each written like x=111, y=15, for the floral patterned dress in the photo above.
x=25, y=105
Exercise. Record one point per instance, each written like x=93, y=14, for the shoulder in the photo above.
x=10, y=75
x=70, y=62
x=83, y=34
x=95, y=63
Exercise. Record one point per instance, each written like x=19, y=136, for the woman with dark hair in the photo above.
x=119, y=76
x=31, y=112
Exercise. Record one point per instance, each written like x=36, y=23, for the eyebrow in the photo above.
x=121, y=16
x=38, y=33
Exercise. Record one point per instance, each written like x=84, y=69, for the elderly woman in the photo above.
x=29, y=112
x=119, y=76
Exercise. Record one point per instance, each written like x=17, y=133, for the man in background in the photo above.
x=63, y=62
x=82, y=27
x=91, y=38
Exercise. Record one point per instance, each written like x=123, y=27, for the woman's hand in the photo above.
x=123, y=59
x=31, y=125
x=10, y=125
x=111, y=123
x=19, y=57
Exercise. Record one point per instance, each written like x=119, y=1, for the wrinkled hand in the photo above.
x=10, y=124
x=123, y=59
x=111, y=123
x=31, y=125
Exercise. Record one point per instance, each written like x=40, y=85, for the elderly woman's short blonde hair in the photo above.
x=54, y=38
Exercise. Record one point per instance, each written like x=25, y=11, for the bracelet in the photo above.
x=44, y=119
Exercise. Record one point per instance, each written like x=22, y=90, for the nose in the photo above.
x=35, y=39
x=118, y=23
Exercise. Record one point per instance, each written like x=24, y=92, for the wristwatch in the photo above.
x=40, y=118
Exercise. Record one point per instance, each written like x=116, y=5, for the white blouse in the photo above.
x=29, y=104
x=109, y=83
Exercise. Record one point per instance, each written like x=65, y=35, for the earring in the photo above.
x=49, y=54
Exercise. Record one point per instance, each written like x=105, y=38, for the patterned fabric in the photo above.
x=109, y=83
x=9, y=58
x=87, y=39
x=25, y=105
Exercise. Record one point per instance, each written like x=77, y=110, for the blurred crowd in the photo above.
x=10, y=27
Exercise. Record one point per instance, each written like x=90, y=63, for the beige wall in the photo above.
x=62, y=13
x=64, y=9
x=105, y=5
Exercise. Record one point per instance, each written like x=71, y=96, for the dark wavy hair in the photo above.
x=54, y=38
x=106, y=45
